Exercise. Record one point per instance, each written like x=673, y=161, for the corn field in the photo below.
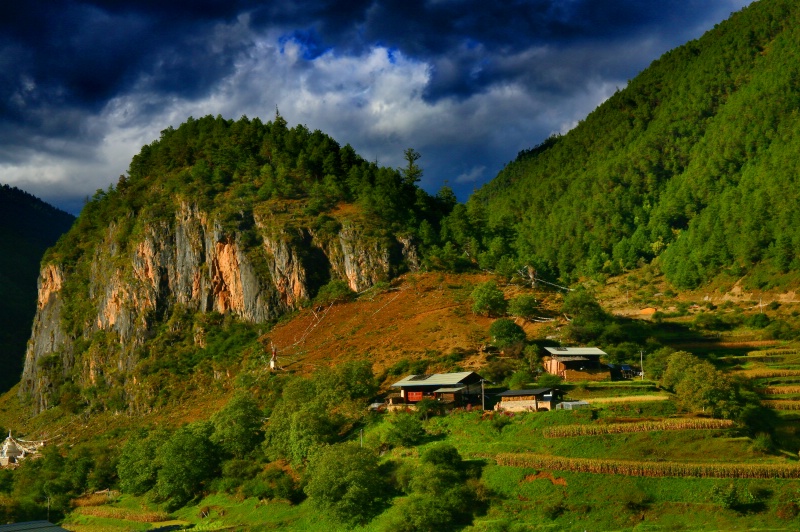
x=780, y=390
x=627, y=399
x=568, y=431
x=781, y=404
x=768, y=352
x=648, y=469
x=763, y=373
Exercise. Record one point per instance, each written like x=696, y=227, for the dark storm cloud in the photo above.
x=82, y=82
x=82, y=54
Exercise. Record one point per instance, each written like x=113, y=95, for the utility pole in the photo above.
x=483, y=396
x=641, y=362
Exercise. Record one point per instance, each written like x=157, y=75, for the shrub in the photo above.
x=428, y=407
x=405, y=430
x=238, y=426
x=726, y=497
x=189, y=459
x=758, y=321
x=443, y=455
x=520, y=379
x=488, y=300
x=498, y=371
x=346, y=481
x=499, y=422
x=138, y=463
x=524, y=306
x=505, y=333
x=548, y=380
x=335, y=290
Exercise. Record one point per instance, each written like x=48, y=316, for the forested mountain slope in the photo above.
x=695, y=162
x=241, y=219
x=28, y=226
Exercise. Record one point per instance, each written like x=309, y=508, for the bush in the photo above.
x=405, y=430
x=346, y=481
x=335, y=290
x=428, y=407
x=272, y=483
x=138, y=464
x=488, y=300
x=758, y=321
x=499, y=422
x=524, y=306
x=188, y=460
x=727, y=497
x=505, y=333
x=548, y=380
x=520, y=379
x=443, y=455
x=238, y=426
x=498, y=371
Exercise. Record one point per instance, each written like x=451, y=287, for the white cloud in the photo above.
x=475, y=174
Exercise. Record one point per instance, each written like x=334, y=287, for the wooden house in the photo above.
x=529, y=400
x=576, y=363
x=455, y=389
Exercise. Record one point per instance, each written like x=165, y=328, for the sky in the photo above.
x=466, y=83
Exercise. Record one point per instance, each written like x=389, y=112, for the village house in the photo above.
x=452, y=389
x=535, y=400
x=576, y=363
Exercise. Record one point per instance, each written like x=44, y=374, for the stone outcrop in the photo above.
x=193, y=262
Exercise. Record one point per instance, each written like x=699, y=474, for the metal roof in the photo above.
x=514, y=393
x=437, y=379
x=567, y=351
x=449, y=390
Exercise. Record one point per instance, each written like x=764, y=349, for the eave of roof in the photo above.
x=567, y=351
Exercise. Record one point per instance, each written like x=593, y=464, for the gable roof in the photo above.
x=574, y=351
x=438, y=379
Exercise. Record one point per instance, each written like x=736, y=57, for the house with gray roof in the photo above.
x=531, y=400
x=454, y=389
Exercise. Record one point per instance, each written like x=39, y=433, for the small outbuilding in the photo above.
x=576, y=363
x=534, y=400
x=573, y=405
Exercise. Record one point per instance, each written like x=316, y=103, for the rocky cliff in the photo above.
x=93, y=317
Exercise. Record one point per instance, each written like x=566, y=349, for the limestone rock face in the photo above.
x=191, y=261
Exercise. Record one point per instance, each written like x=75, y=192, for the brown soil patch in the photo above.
x=547, y=475
x=422, y=316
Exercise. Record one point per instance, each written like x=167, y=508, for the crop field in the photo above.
x=650, y=469
x=567, y=431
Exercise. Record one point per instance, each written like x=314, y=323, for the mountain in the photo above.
x=693, y=164
x=239, y=219
x=149, y=365
x=28, y=226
